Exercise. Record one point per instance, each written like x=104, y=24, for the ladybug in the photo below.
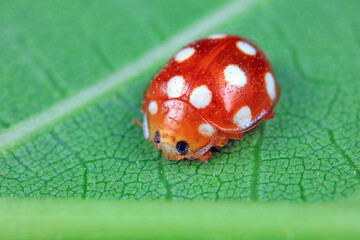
x=214, y=89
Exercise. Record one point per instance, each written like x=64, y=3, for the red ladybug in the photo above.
x=212, y=90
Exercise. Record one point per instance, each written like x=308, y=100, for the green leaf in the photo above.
x=68, y=132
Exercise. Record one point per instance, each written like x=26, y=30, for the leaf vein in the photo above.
x=343, y=153
x=257, y=158
x=76, y=154
x=163, y=179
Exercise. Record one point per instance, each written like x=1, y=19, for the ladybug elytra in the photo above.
x=212, y=90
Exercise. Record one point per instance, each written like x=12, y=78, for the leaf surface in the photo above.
x=308, y=152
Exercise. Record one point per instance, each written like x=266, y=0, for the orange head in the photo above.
x=177, y=128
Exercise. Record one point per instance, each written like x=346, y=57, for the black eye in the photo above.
x=182, y=147
x=157, y=137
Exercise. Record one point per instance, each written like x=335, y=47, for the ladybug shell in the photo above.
x=226, y=81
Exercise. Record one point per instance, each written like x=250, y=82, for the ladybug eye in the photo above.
x=157, y=137
x=182, y=147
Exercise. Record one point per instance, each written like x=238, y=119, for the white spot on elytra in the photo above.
x=217, y=36
x=146, y=127
x=206, y=130
x=243, y=117
x=175, y=87
x=270, y=85
x=153, y=107
x=246, y=48
x=184, y=54
x=235, y=76
x=200, y=97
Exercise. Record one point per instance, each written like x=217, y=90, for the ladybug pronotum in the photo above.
x=214, y=89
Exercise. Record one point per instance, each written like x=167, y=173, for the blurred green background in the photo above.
x=297, y=171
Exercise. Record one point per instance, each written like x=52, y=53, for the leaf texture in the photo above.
x=308, y=152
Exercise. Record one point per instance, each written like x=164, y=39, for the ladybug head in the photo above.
x=177, y=128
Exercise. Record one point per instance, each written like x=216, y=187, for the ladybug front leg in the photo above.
x=205, y=157
x=220, y=139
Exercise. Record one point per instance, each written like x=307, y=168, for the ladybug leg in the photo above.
x=270, y=115
x=240, y=136
x=235, y=135
x=137, y=122
x=220, y=139
x=205, y=157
